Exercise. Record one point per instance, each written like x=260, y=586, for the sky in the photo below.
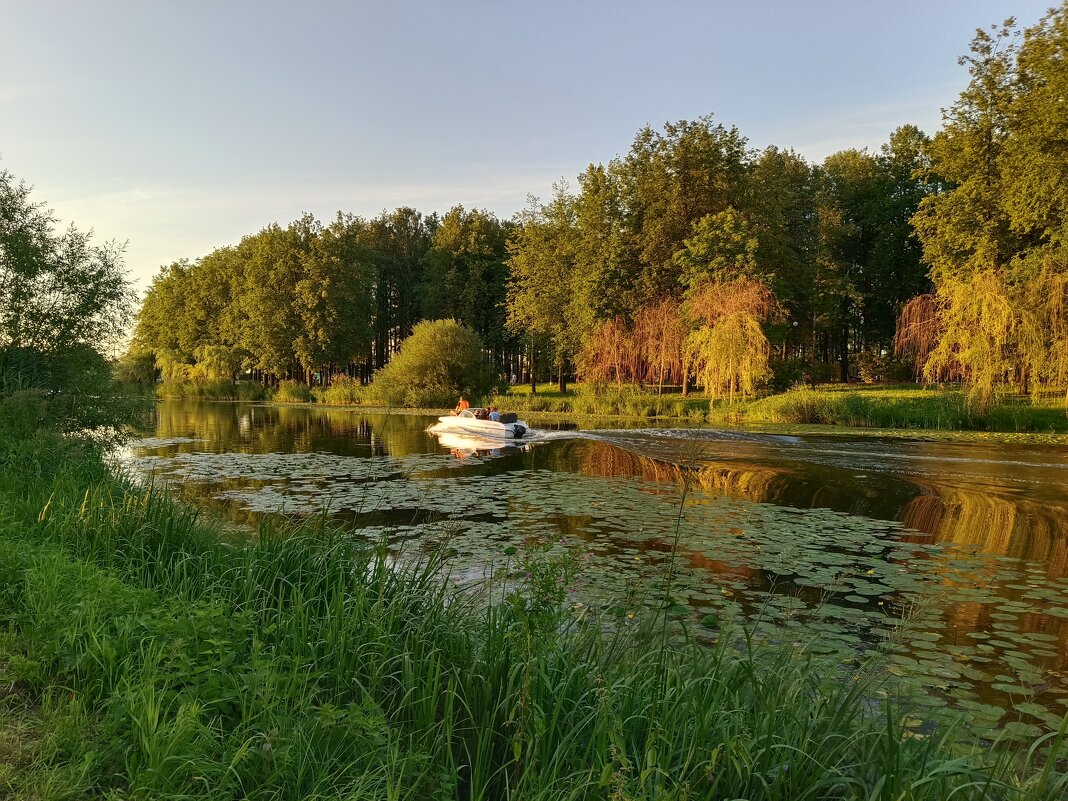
x=178, y=127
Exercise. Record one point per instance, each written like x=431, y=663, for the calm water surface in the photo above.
x=950, y=557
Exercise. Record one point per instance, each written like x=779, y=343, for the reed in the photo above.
x=162, y=659
x=912, y=407
x=594, y=400
x=214, y=390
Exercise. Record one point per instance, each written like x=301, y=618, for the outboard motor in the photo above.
x=519, y=431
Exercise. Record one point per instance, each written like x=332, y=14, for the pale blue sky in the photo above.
x=182, y=126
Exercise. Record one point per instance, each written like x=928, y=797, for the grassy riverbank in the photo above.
x=852, y=406
x=907, y=406
x=144, y=655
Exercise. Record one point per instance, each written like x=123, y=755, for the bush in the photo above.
x=882, y=367
x=292, y=392
x=786, y=373
x=343, y=391
x=440, y=361
x=75, y=389
x=213, y=390
x=136, y=367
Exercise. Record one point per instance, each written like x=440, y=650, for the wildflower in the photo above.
x=870, y=573
x=630, y=616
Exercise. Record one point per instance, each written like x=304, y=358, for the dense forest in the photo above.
x=691, y=258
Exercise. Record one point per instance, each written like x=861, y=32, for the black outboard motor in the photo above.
x=519, y=431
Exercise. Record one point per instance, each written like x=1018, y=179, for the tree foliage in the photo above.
x=995, y=235
x=440, y=361
x=62, y=300
x=57, y=290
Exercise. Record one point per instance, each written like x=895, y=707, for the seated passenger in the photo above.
x=461, y=405
x=494, y=414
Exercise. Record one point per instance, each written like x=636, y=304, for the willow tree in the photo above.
x=660, y=336
x=728, y=348
x=607, y=354
x=979, y=339
x=1044, y=329
x=996, y=239
x=919, y=327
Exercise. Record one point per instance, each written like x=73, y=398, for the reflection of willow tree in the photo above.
x=1009, y=527
x=195, y=420
x=754, y=483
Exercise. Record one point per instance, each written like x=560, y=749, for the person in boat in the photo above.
x=494, y=414
x=461, y=406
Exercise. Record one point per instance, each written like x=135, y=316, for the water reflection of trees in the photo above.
x=1015, y=527
x=741, y=480
x=253, y=428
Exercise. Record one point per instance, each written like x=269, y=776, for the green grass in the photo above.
x=589, y=401
x=899, y=407
x=905, y=406
x=153, y=657
x=214, y=390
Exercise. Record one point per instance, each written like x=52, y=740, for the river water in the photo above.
x=948, y=558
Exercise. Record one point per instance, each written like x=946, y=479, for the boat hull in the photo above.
x=481, y=428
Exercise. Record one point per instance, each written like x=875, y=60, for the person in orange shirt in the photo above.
x=463, y=404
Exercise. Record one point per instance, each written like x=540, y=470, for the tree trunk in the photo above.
x=533, y=373
x=561, y=377
x=844, y=355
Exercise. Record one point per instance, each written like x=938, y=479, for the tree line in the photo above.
x=312, y=300
x=691, y=258
x=687, y=206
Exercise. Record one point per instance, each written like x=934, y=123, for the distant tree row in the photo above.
x=661, y=259
x=685, y=210
x=692, y=258
x=313, y=300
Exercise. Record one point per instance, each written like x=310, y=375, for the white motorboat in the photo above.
x=470, y=421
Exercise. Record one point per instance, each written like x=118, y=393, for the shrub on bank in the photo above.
x=343, y=391
x=441, y=360
x=913, y=407
x=292, y=392
x=598, y=400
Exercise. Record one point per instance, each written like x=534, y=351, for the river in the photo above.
x=947, y=559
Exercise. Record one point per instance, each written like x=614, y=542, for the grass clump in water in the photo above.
x=173, y=662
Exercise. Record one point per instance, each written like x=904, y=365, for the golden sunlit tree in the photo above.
x=919, y=328
x=660, y=336
x=979, y=337
x=728, y=349
x=607, y=354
